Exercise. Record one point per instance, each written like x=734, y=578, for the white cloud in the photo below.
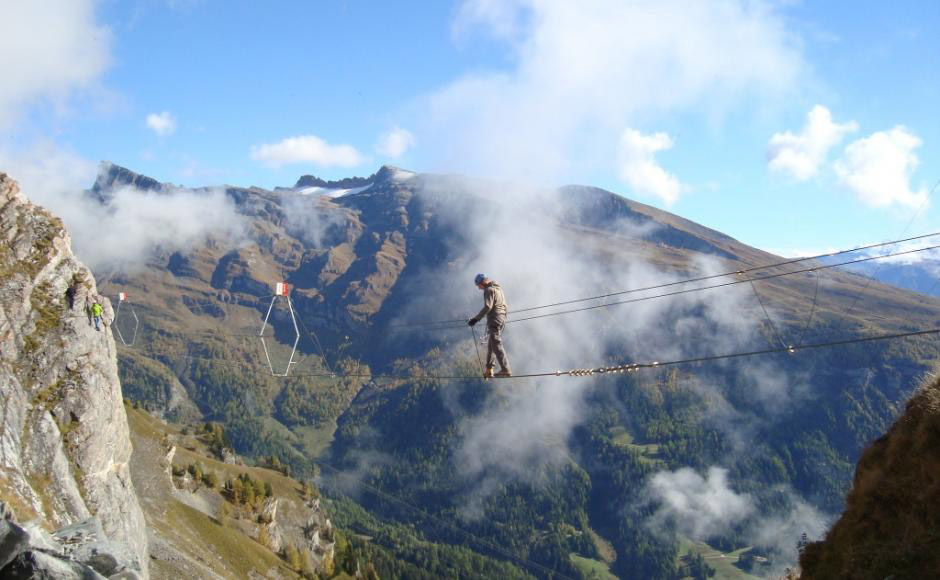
x=638, y=167
x=523, y=434
x=702, y=507
x=921, y=257
x=47, y=168
x=395, y=142
x=802, y=155
x=138, y=225
x=878, y=169
x=780, y=531
x=306, y=149
x=162, y=123
x=800, y=252
x=697, y=507
x=503, y=19
x=580, y=72
x=48, y=50
x=134, y=226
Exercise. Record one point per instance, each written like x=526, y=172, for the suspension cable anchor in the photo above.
x=280, y=289
x=122, y=298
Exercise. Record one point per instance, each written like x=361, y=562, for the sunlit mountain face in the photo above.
x=564, y=471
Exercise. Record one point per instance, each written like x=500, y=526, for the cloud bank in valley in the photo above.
x=137, y=225
x=700, y=507
x=511, y=233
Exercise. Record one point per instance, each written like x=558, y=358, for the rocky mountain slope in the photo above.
x=353, y=261
x=891, y=525
x=200, y=529
x=64, y=443
x=361, y=264
x=366, y=256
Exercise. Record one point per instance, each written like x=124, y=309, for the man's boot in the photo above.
x=504, y=373
x=488, y=373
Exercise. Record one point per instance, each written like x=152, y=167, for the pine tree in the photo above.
x=225, y=512
x=238, y=491
x=309, y=491
x=306, y=566
x=327, y=566
x=802, y=543
x=371, y=573
x=264, y=537
x=292, y=555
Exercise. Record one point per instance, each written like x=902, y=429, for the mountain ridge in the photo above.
x=403, y=251
x=384, y=173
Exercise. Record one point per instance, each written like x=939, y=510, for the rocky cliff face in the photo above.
x=64, y=444
x=891, y=526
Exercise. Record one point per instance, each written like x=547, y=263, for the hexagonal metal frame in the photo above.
x=114, y=325
x=264, y=345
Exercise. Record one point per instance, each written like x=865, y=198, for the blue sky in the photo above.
x=791, y=126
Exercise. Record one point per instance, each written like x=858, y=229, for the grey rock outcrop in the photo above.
x=112, y=177
x=306, y=527
x=78, y=551
x=37, y=565
x=64, y=437
x=14, y=540
x=86, y=542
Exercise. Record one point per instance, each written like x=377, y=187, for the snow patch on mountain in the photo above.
x=331, y=192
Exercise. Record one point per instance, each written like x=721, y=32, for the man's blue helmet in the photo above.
x=479, y=279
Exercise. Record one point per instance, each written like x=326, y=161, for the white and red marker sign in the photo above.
x=281, y=289
x=122, y=296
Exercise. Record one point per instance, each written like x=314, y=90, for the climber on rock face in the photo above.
x=96, y=311
x=77, y=288
x=70, y=296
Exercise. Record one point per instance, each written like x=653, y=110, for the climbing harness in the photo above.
x=280, y=289
x=477, y=347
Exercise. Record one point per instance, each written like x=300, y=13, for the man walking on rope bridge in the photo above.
x=494, y=308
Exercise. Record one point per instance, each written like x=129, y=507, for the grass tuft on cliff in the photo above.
x=891, y=525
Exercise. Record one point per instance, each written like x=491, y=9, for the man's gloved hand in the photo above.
x=472, y=321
